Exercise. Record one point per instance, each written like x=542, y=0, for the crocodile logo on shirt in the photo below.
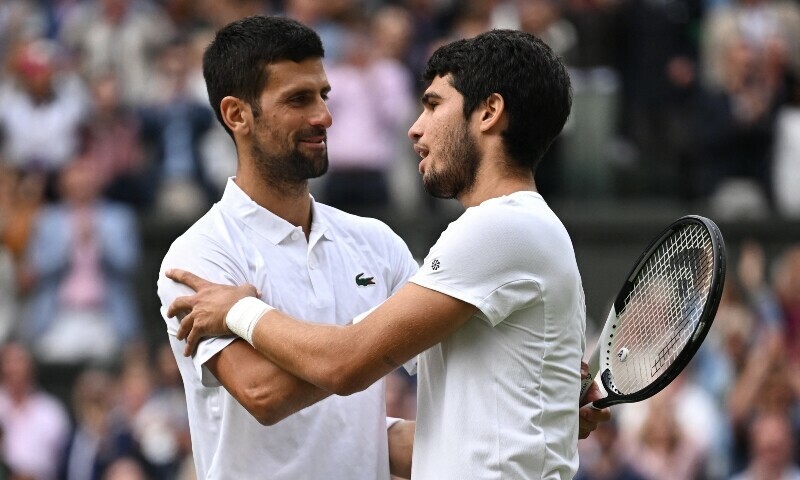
x=363, y=281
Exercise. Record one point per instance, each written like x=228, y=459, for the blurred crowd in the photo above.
x=105, y=122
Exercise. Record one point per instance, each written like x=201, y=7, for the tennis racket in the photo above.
x=662, y=313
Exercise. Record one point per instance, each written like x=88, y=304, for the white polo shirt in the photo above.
x=498, y=399
x=348, y=265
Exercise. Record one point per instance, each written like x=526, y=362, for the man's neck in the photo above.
x=290, y=202
x=495, y=182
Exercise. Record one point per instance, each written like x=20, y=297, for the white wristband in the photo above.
x=244, y=315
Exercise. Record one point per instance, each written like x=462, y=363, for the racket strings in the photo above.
x=663, y=309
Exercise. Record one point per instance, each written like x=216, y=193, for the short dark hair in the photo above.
x=521, y=68
x=235, y=61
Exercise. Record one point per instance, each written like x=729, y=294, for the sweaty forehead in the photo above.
x=286, y=75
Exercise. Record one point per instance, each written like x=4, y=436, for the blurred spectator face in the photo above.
x=776, y=391
x=536, y=15
x=175, y=59
x=305, y=11
x=358, y=48
x=91, y=397
x=79, y=184
x=772, y=442
x=740, y=65
x=735, y=326
x=660, y=431
x=787, y=277
x=36, y=65
x=136, y=386
x=106, y=92
x=114, y=10
x=392, y=30
x=17, y=368
x=124, y=469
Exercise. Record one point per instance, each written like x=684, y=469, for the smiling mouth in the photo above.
x=319, y=142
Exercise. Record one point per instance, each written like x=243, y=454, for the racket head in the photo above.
x=663, y=311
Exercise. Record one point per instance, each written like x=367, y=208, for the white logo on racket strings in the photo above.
x=622, y=355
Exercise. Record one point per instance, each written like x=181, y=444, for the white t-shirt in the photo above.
x=236, y=242
x=498, y=399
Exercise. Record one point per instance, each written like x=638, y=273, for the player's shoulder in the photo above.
x=520, y=217
x=208, y=234
x=345, y=223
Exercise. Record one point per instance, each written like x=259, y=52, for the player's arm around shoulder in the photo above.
x=405, y=325
x=267, y=392
x=342, y=359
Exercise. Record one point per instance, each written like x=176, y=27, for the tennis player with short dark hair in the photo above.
x=496, y=313
x=268, y=88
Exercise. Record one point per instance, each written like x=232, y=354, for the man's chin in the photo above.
x=435, y=190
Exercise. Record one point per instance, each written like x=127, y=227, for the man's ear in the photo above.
x=237, y=115
x=492, y=112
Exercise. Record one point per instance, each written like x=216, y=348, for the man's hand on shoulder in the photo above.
x=203, y=314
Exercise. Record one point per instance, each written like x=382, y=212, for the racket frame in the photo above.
x=599, y=364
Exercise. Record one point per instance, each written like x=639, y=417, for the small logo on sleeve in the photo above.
x=363, y=281
x=435, y=264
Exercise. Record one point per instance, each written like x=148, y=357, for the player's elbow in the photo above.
x=344, y=380
x=264, y=405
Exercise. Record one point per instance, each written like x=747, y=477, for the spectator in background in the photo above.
x=735, y=124
x=20, y=20
x=662, y=450
x=770, y=28
x=751, y=51
x=100, y=436
x=21, y=195
x=603, y=456
x=657, y=54
x=786, y=282
x=222, y=12
x=175, y=121
x=8, y=280
x=81, y=257
x=43, y=107
x=372, y=101
x=112, y=142
x=765, y=386
x=125, y=469
x=157, y=424
x=681, y=429
x=325, y=19
x=118, y=36
x=392, y=31
x=786, y=156
x=35, y=425
x=772, y=444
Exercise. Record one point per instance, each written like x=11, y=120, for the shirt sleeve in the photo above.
x=209, y=262
x=486, y=258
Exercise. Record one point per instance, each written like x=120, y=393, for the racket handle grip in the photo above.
x=585, y=384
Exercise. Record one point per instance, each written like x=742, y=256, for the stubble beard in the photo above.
x=458, y=166
x=288, y=171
